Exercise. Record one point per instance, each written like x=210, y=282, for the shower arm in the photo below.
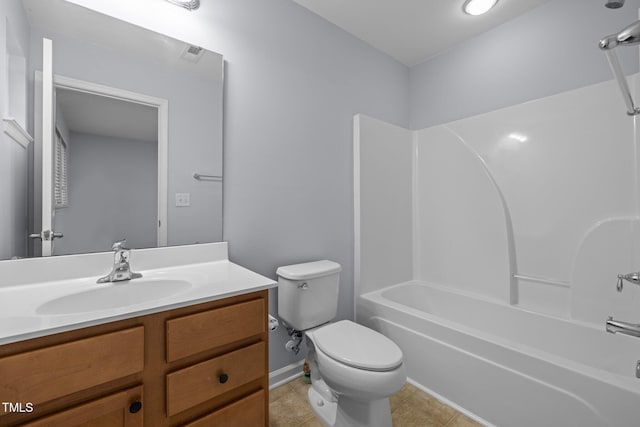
x=612, y=57
x=628, y=36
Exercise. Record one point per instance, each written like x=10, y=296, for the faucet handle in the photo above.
x=120, y=245
x=630, y=277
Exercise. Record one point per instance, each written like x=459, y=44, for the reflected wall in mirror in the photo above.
x=110, y=150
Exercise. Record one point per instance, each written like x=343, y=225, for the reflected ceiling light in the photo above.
x=478, y=7
x=518, y=137
x=187, y=4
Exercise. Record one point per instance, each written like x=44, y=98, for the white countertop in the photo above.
x=21, y=305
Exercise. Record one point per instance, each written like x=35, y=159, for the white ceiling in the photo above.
x=412, y=31
x=101, y=115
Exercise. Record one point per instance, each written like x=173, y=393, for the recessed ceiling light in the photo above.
x=478, y=7
x=187, y=4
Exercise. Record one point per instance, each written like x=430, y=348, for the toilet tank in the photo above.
x=308, y=293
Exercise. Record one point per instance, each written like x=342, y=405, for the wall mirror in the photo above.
x=134, y=148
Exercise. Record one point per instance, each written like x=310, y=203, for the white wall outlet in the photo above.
x=183, y=199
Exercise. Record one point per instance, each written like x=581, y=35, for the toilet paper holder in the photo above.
x=273, y=323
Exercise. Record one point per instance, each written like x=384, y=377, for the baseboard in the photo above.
x=285, y=374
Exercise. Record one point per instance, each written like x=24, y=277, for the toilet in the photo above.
x=354, y=369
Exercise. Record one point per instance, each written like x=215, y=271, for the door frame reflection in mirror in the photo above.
x=162, y=107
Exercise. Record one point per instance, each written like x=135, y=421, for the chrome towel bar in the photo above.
x=203, y=177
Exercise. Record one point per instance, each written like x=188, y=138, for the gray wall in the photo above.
x=13, y=157
x=112, y=194
x=548, y=50
x=293, y=84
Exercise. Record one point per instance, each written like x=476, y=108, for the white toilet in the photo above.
x=354, y=369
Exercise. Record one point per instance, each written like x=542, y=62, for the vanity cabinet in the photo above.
x=201, y=365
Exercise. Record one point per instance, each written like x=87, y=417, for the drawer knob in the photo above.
x=135, y=407
x=223, y=378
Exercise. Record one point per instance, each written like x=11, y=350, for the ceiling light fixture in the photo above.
x=478, y=7
x=187, y=4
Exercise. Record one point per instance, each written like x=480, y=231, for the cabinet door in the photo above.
x=123, y=409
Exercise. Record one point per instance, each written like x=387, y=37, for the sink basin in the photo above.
x=19, y=323
x=114, y=295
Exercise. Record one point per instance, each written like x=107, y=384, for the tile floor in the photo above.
x=410, y=407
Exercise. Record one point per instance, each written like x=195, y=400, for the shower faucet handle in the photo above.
x=630, y=277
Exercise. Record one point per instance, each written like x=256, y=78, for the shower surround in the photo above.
x=488, y=248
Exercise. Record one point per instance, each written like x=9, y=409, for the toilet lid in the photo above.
x=358, y=346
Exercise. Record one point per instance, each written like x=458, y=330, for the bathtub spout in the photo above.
x=626, y=328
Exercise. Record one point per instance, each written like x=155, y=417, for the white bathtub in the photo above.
x=505, y=365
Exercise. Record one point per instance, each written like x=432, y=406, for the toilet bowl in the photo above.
x=358, y=369
x=354, y=369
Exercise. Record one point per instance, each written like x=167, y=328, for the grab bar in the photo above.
x=203, y=177
x=613, y=326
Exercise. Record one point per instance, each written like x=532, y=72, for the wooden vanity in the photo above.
x=200, y=365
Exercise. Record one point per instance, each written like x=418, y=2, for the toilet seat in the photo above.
x=357, y=346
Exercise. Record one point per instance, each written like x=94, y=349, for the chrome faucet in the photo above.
x=626, y=328
x=121, y=270
x=631, y=278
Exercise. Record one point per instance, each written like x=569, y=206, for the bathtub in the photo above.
x=506, y=366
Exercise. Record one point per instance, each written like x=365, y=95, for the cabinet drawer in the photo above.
x=115, y=410
x=249, y=411
x=198, y=383
x=202, y=331
x=41, y=375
